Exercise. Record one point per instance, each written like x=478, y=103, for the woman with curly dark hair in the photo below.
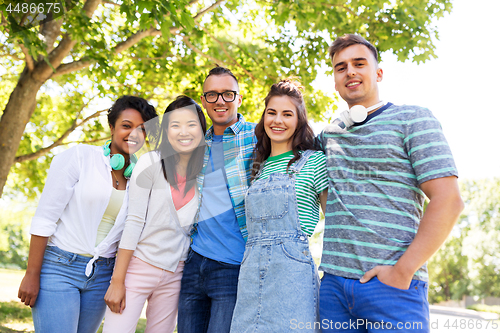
x=76, y=227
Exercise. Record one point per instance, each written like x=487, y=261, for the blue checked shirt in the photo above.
x=238, y=142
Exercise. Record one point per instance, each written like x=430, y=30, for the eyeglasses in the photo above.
x=227, y=96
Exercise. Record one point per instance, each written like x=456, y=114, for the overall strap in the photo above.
x=299, y=164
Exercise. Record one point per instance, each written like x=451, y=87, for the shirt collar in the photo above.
x=235, y=128
x=374, y=114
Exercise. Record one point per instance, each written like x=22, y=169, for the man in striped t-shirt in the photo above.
x=377, y=237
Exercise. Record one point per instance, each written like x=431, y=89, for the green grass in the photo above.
x=10, y=311
x=14, y=314
x=485, y=308
x=15, y=317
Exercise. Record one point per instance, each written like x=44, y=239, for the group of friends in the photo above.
x=211, y=226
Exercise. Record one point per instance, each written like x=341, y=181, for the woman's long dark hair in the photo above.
x=169, y=157
x=302, y=139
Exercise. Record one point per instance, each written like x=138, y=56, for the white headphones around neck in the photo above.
x=357, y=114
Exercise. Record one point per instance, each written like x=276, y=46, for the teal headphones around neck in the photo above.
x=117, y=161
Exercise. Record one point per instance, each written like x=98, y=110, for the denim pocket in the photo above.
x=190, y=255
x=423, y=288
x=413, y=286
x=53, y=254
x=268, y=202
x=295, y=252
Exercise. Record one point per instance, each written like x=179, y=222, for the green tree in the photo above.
x=158, y=49
x=481, y=244
x=448, y=276
x=468, y=263
x=14, y=241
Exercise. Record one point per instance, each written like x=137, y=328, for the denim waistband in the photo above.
x=277, y=238
x=78, y=257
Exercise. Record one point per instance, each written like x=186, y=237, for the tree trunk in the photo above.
x=17, y=113
x=22, y=101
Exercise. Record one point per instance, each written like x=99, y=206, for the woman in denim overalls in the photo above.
x=278, y=286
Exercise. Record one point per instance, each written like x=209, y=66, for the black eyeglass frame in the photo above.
x=220, y=95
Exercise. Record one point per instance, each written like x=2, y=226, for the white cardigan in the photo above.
x=154, y=229
x=74, y=199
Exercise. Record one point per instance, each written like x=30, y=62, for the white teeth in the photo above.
x=277, y=129
x=185, y=141
x=220, y=110
x=353, y=84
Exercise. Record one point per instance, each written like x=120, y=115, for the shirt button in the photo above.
x=302, y=238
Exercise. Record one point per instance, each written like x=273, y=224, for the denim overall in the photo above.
x=278, y=286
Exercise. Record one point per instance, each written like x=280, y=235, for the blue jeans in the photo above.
x=68, y=300
x=346, y=305
x=208, y=295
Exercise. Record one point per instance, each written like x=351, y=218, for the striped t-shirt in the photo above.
x=375, y=206
x=309, y=183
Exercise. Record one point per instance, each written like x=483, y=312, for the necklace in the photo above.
x=112, y=172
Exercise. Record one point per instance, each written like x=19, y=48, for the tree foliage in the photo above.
x=448, y=273
x=468, y=263
x=54, y=76
x=14, y=242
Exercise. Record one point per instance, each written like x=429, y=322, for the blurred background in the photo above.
x=57, y=81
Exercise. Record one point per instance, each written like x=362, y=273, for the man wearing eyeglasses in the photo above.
x=210, y=281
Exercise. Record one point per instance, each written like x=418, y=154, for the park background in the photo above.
x=457, y=85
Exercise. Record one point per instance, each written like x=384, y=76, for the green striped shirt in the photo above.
x=309, y=183
x=375, y=204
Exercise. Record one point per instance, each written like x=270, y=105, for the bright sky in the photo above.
x=458, y=86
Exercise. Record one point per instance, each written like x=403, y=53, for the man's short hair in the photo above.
x=348, y=40
x=219, y=70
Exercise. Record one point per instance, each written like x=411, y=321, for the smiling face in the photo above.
x=356, y=75
x=184, y=131
x=223, y=114
x=280, y=123
x=128, y=133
